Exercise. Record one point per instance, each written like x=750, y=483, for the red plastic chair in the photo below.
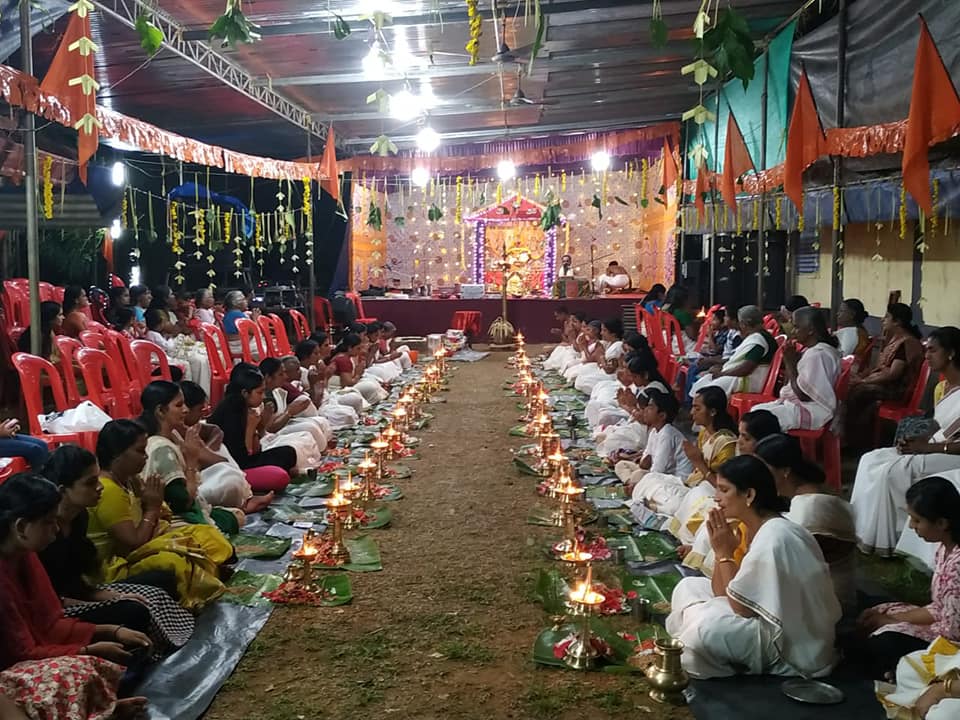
x=824, y=444
x=649, y=323
x=705, y=327
x=771, y=325
x=250, y=331
x=894, y=411
x=31, y=370
x=94, y=326
x=47, y=292
x=119, y=347
x=17, y=303
x=673, y=332
x=323, y=312
x=11, y=466
x=114, y=399
x=742, y=403
x=93, y=339
x=68, y=348
x=275, y=334
x=150, y=358
x=218, y=355
x=358, y=304
x=301, y=327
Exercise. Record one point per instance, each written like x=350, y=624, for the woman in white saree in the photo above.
x=566, y=352
x=747, y=368
x=611, y=335
x=928, y=684
x=827, y=517
x=602, y=407
x=807, y=400
x=591, y=348
x=883, y=476
x=773, y=614
x=629, y=437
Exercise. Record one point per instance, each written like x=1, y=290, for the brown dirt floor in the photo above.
x=446, y=630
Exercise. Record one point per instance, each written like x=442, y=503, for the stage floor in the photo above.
x=531, y=316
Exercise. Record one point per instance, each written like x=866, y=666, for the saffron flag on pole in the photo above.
x=934, y=117
x=736, y=162
x=669, y=171
x=805, y=141
x=328, y=166
x=703, y=187
x=72, y=79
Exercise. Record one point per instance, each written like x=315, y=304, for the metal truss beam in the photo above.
x=201, y=54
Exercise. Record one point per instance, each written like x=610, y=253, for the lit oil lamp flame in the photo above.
x=703, y=312
x=584, y=594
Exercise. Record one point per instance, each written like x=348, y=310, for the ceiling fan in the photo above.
x=520, y=98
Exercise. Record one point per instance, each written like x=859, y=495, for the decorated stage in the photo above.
x=531, y=316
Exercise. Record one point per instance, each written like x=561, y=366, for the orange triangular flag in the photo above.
x=736, y=162
x=703, y=187
x=934, y=117
x=805, y=141
x=73, y=63
x=328, y=166
x=669, y=169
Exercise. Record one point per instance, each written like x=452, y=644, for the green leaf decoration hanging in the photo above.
x=383, y=146
x=374, y=218
x=598, y=204
x=341, y=28
x=434, y=213
x=550, y=217
x=151, y=37
x=538, y=39
x=730, y=46
x=400, y=221
x=233, y=27
x=381, y=98
x=659, y=32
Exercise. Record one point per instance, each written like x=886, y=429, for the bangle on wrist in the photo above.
x=726, y=560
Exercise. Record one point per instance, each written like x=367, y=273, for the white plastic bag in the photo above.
x=85, y=417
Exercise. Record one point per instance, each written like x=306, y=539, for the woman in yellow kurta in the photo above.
x=131, y=526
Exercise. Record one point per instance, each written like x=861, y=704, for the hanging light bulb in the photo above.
x=420, y=177
x=506, y=169
x=600, y=161
x=428, y=139
x=427, y=98
x=374, y=63
x=118, y=174
x=404, y=106
x=115, y=230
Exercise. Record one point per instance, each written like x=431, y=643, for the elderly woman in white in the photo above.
x=808, y=400
x=769, y=608
x=746, y=370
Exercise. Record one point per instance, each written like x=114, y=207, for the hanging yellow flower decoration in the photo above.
x=476, y=30
x=536, y=185
x=48, y=187
x=739, y=219
x=499, y=193
x=176, y=236
x=778, y=220
x=756, y=213
x=563, y=181
x=123, y=211
x=903, y=212
x=836, y=207
x=936, y=203
x=800, y=220
x=458, y=216
x=566, y=239
x=644, y=179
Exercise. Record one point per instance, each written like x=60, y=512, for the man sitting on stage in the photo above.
x=566, y=267
x=615, y=279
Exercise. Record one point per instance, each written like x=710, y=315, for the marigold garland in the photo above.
x=308, y=212
x=176, y=236
x=458, y=216
x=499, y=196
x=936, y=203
x=739, y=219
x=778, y=219
x=836, y=207
x=644, y=178
x=476, y=30
x=566, y=238
x=536, y=185
x=800, y=221
x=123, y=211
x=563, y=181
x=48, y=187
x=903, y=212
x=756, y=213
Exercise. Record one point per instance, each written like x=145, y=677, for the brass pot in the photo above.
x=667, y=677
x=501, y=332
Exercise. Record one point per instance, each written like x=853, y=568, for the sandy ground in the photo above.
x=446, y=630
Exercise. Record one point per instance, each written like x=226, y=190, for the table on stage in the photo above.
x=531, y=316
